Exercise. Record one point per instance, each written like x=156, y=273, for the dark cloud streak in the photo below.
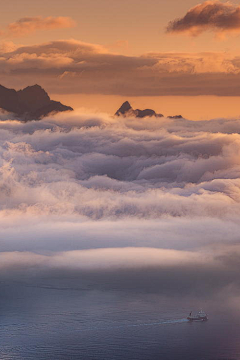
x=220, y=17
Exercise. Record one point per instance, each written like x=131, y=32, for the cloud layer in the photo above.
x=70, y=66
x=116, y=202
x=214, y=15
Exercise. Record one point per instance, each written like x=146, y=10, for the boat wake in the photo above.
x=162, y=322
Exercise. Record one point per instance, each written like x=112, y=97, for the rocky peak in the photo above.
x=127, y=110
x=33, y=96
x=124, y=109
x=31, y=103
x=175, y=117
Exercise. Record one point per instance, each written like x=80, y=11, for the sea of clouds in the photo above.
x=144, y=204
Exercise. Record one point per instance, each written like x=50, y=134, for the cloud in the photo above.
x=168, y=272
x=70, y=66
x=214, y=15
x=118, y=45
x=133, y=204
x=29, y=25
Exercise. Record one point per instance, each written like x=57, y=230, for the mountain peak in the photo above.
x=30, y=103
x=126, y=107
x=175, y=117
x=35, y=86
x=126, y=104
x=127, y=110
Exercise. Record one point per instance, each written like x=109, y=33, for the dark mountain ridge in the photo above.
x=127, y=110
x=31, y=103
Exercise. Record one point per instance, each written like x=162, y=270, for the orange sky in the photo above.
x=121, y=50
x=191, y=107
x=140, y=22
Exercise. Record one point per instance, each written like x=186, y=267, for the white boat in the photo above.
x=200, y=316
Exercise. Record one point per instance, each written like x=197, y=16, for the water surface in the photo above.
x=44, y=322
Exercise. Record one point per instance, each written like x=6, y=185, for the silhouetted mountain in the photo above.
x=127, y=110
x=175, y=117
x=126, y=107
x=31, y=103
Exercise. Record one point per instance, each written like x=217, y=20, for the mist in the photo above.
x=150, y=204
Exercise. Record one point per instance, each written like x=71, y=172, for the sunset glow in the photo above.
x=119, y=180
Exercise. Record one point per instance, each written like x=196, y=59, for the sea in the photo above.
x=41, y=321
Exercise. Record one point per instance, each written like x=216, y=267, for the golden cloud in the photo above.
x=71, y=66
x=29, y=25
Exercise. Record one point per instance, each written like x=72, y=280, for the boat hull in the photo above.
x=204, y=318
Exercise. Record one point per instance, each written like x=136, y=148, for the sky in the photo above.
x=86, y=52
x=139, y=22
